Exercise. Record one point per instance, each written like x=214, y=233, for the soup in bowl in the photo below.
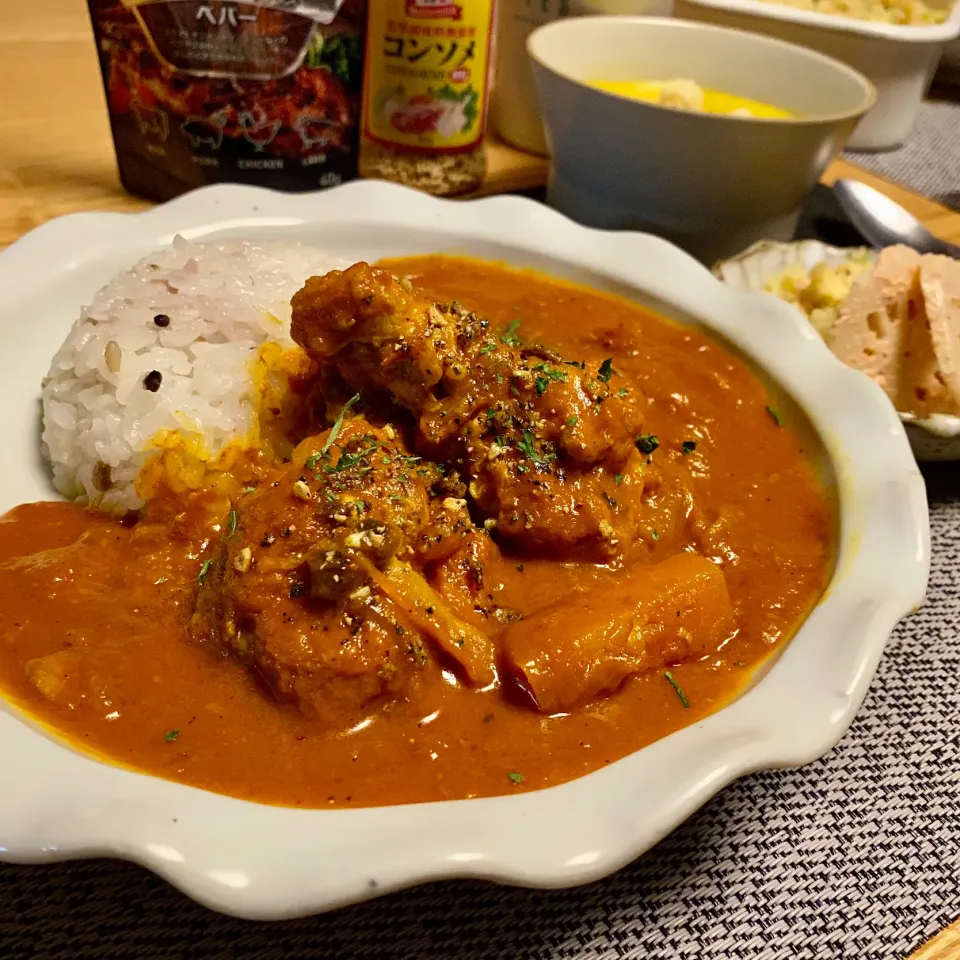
x=712, y=183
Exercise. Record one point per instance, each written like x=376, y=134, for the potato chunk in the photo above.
x=649, y=618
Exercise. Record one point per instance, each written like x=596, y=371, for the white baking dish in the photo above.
x=900, y=61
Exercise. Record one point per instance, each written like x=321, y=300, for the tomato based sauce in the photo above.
x=93, y=611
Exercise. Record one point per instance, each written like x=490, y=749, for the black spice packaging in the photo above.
x=264, y=91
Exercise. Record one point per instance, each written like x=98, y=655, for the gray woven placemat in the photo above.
x=855, y=856
x=929, y=162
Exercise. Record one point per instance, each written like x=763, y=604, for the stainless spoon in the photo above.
x=884, y=222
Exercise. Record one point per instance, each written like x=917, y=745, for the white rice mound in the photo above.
x=224, y=300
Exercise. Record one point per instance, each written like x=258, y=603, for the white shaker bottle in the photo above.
x=514, y=108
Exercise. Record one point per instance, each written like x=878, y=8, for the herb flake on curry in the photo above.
x=487, y=553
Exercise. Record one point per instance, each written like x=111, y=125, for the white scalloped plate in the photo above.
x=268, y=862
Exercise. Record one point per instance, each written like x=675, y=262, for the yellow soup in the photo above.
x=689, y=95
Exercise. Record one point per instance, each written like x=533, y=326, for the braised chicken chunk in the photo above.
x=316, y=581
x=554, y=452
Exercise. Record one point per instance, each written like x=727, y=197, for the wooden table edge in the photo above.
x=531, y=173
x=943, y=946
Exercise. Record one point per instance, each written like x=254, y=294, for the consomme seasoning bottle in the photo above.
x=426, y=78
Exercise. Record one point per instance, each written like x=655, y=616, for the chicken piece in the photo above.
x=465, y=579
x=312, y=583
x=550, y=448
x=70, y=679
x=60, y=678
x=652, y=616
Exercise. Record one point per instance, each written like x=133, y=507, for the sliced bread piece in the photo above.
x=940, y=285
x=882, y=330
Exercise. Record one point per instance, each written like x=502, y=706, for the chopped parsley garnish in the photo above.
x=548, y=373
x=654, y=534
x=488, y=347
x=622, y=392
x=231, y=524
x=510, y=337
x=606, y=370
x=618, y=478
x=688, y=446
x=335, y=429
x=249, y=489
x=775, y=416
x=204, y=567
x=526, y=447
x=171, y=735
x=349, y=460
x=515, y=777
x=572, y=422
x=676, y=686
x=554, y=373
x=647, y=442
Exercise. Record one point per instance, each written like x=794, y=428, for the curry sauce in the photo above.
x=94, y=611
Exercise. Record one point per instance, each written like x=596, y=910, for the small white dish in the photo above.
x=267, y=862
x=932, y=438
x=620, y=163
x=750, y=270
x=898, y=60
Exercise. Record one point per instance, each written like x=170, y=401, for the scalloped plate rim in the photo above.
x=260, y=862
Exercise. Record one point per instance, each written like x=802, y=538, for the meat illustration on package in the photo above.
x=255, y=91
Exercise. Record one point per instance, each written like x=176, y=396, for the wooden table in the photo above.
x=56, y=157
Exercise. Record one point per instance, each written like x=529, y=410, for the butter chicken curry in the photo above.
x=526, y=528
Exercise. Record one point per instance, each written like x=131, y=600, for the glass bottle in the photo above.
x=425, y=90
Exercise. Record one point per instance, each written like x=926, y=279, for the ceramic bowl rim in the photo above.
x=536, y=39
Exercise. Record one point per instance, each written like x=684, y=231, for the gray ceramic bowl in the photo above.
x=712, y=184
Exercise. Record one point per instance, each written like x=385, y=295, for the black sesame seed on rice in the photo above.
x=153, y=380
x=161, y=320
